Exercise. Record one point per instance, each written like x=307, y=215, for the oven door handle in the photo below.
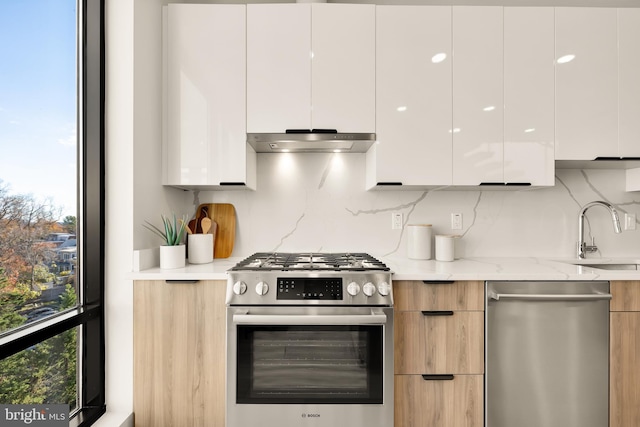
x=375, y=318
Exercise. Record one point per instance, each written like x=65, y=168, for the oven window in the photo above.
x=309, y=364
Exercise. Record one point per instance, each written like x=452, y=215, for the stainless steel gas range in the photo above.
x=309, y=341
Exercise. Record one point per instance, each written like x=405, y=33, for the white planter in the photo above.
x=200, y=247
x=172, y=256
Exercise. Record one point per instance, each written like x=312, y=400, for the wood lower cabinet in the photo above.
x=448, y=341
x=624, y=390
x=440, y=402
x=179, y=354
x=439, y=353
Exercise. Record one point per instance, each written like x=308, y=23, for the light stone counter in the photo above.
x=517, y=268
x=506, y=269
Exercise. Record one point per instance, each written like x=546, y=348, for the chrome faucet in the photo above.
x=583, y=248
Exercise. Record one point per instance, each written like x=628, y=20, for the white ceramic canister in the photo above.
x=419, y=241
x=445, y=247
x=200, y=248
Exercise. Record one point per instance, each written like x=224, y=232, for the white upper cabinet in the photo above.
x=343, y=67
x=310, y=66
x=477, y=95
x=586, y=83
x=529, y=95
x=413, y=97
x=278, y=67
x=629, y=82
x=205, y=114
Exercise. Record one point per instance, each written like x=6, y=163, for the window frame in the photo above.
x=89, y=314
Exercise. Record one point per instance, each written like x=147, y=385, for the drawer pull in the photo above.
x=438, y=313
x=169, y=282
x=445, y=377
x=438, y=282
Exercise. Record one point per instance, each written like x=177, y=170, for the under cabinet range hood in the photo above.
x=311, y=141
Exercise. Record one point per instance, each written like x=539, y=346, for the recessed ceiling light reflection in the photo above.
x=402, y=108
x=285, y=150
x=529, y=130
x=438, y=57
x=566, y=58
x=489, y=108
x=337, y=150
x=454, y=130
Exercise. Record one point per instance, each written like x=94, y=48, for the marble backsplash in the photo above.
x=317, y=202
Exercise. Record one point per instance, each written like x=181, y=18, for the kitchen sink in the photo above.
x=606, y=263
x=610, y=266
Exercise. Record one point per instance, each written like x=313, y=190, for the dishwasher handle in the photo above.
x=549, y=297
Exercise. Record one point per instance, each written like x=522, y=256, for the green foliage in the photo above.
x=45, y=373
x=69, y=224
x=68, y=299
x=172, y=233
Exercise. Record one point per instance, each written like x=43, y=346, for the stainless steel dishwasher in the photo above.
x=547, y=354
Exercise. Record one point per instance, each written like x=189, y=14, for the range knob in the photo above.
x=384, y=289
x=239, y=288
x=262, y=288
x=353, y=289
x=369, y=289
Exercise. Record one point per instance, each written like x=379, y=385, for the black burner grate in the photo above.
x=283, y=261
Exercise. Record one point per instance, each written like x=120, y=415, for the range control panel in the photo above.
x=309, y=288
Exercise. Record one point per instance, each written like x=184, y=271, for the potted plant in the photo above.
x=172, y=251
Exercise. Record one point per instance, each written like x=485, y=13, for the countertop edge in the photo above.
x=465, y=269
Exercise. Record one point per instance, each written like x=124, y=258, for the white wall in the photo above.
x=119, y=211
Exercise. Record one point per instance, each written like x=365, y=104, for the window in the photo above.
x=52, y=205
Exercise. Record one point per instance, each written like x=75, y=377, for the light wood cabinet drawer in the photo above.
x=626, y=295
x=439, y=342
x=419, y=295
x=457, y=402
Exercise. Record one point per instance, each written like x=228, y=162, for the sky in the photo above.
x=38, y=100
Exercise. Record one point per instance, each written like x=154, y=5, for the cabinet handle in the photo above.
x=438, y=313
x=506, y=184
x=233, y=183
x=382, y=184
x=171, y=282
x=438, y=282
x=430, y=377
x=617, y=158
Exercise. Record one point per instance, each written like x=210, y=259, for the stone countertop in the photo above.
x=516, y=268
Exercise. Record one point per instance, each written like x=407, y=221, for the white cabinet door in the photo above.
x=477, y=95
x=529, y=95
x=629, y=82
x=343, y=67
x=278, y=67
x=413, y=97
x=586, y=83
x=310, y=67
x=205, y=140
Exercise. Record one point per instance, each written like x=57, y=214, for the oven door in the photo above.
x=309, y=362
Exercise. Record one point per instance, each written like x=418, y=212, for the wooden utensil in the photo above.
x=203, y=212
x=205, y=224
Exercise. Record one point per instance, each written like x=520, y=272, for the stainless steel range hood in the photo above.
x=311, y=141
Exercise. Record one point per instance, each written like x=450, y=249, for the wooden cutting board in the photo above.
x=224, y=215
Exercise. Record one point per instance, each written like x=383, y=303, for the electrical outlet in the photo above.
x=396, y=221
x=456, y=221
x=629, y=221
